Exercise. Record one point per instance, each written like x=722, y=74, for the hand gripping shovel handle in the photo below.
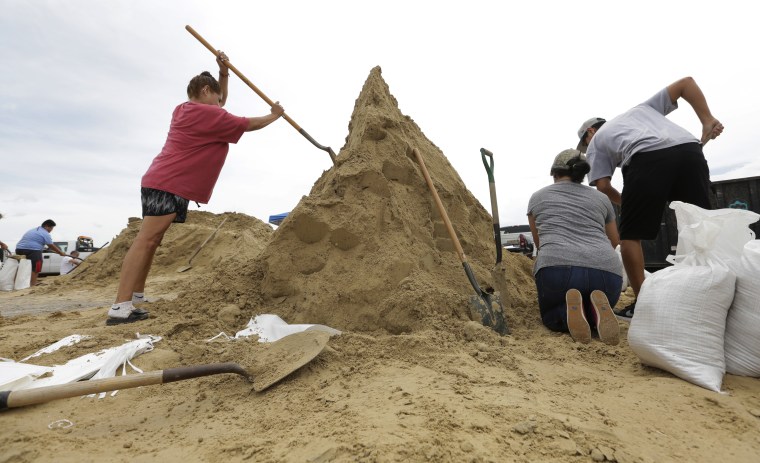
x=494, y=205
x=13, y=399
x=261, y=94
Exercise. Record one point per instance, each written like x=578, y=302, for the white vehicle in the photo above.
x=518, y=238
x=51, y=262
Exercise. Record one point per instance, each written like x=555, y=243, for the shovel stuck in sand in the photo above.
x=484, y=305
x=187, y=267
x=282, y=358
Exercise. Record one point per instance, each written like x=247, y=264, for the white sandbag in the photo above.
x=733, y=233
x=625, y=275
x=681, y=311
x=742, y=344
x=23, y=274
x=8, y=275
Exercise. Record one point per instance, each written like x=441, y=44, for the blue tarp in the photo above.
x=277, y=218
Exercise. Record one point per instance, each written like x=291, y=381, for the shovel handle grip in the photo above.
x=489, y=167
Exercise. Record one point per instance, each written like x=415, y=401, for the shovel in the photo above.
x=494, y=206
x=261, y=94
x=487, y=306
x=282, y=358
x=187, y=267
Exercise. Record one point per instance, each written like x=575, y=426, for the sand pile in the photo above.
x=367, y=253
x=240, y=232
x=366, y=249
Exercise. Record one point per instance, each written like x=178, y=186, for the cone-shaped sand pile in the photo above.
x=367, y=249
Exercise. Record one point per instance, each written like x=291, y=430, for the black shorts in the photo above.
x=157, y=203
x=653, y=179
x=34, y=256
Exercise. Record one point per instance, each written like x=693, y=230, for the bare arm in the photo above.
x=56, y=249
x=533, y=230
x=224, y=76
x=612, y=233
x=688, y=89
x=256, y=123
x=605, y=186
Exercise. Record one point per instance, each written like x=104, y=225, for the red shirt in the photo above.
x=195, y=150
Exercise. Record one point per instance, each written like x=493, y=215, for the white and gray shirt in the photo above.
x=640, y=129
x=570, y=219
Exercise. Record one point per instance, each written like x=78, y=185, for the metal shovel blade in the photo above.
x=285, y=356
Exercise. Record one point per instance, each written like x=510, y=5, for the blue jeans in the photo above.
x=553, y=282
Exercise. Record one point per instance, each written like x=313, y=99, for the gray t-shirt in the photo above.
x=640, y=129
x=570, y=219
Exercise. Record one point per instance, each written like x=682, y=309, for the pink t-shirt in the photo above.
x=195, y=150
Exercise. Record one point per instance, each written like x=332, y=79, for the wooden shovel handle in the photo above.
x=240, y=75
x=439, y=205
x=261, y=94
x=207, y=240
x=13, y=399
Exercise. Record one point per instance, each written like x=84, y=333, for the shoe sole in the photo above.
x=133, y=317
x=576, y=319
x=607, y=327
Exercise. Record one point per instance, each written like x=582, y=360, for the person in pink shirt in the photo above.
x=186, y=170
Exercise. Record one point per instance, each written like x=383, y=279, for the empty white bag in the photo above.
x=8, y=275
x=23, y=274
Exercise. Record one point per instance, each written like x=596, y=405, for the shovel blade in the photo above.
x=285, y=356
x=488, y=310
x=184, y=268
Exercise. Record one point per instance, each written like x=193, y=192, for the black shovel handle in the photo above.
x=494, y=205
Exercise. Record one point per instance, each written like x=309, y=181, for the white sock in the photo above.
x=138, y=297
x=121, y=310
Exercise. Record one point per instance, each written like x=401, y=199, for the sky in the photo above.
x=88, y=88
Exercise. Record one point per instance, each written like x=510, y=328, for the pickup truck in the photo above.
x=51, y=262
x=517, y=238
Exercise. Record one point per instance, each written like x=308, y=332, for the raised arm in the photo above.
x=224, y=75
x=688, y=89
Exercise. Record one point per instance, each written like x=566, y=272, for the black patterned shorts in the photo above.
x=157, y=203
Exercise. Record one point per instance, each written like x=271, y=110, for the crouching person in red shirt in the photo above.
x=186, y=170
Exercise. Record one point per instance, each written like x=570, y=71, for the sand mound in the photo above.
x=364, y=252
x=367, y=249
x=240, y=237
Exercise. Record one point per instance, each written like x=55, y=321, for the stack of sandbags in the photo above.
x=743, y=323
x=680, y=321
x=15, y=273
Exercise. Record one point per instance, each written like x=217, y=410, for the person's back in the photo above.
x=34, y=239
x=570, y=218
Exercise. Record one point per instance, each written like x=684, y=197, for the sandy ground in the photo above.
x=412, y=377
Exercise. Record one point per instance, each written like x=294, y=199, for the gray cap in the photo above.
x=560, y=162
x=584, y=128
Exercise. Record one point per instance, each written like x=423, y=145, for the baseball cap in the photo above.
x=584, y=128
x=561, y=160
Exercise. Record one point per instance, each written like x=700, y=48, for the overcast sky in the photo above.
x=88, y=88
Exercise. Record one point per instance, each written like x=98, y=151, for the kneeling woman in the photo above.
x=578, y=274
